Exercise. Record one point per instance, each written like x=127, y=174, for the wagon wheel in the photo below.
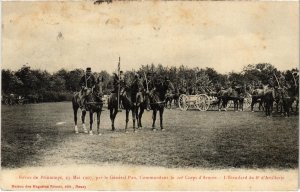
x=202, y=102
x=230, y=104
x=183, y=102
x=247, y=102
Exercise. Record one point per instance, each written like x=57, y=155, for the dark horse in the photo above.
x=236, y=95
x=94, y=104
x=257, y=97
x=157, y=99
x=130, y=97
x=268, y=99
x=288, y=96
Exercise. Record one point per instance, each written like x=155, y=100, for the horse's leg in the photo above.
x=83, y=121
x=252, y=104
x=266, y=109
x=140, y=116
x=134, y=111
x=127, y=119
x=98, y=122
x=75, y=109
x=224, y=103
x=281, y=107
x=242, y=104
x=235, y=107
x=154, y=118
x=137, y=116
x=218, y=103
x=161, y=112
x=112, y=118
x=91, y=122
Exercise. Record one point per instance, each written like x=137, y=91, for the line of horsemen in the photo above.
x=283, y=93
x=279, y=88
x=152, y=92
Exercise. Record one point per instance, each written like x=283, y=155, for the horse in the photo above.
x=143, y=103
x=257, y=97
x=129, y=97
x=76, y=103
x=288, y=96
x=170, y=98
x=157, y=97
x=226, y=95
x=268, y=98
x=95, y=104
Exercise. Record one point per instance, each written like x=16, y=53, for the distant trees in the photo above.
x=62, y=84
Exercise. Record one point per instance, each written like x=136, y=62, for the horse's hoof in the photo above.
x=99, y=134
x=91, y=132
x=126, y=131
x=76, y=132
x=135, y=131
x=219, y=109
x=85, y=131
x=162, y=129
x=153, y=129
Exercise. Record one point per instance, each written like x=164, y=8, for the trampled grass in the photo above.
x=43, y=135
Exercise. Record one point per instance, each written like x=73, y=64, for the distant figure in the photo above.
x=118, y=80
x=87, y=81
x=271, y=86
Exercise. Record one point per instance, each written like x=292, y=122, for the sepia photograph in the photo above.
x=149, y=95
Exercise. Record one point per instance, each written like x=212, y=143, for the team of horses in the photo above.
x=135, y=98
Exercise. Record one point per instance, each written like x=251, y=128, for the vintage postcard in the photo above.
x=149, y=95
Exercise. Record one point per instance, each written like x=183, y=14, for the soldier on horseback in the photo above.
x=271, y=85
x=119, y=80
x=137, y=87
x=87, y=81
x=119, y=84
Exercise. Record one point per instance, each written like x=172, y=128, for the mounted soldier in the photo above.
x=87, y=83
x=137, y=87
x=119, y=85
x=118, y=80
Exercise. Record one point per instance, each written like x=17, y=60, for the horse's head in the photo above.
x=98, y=89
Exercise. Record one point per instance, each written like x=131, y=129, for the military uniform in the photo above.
x=87, y=81
x=118, y=81
x=271, y=86
x=137, y=87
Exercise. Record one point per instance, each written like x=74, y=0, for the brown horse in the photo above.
x=130, y=97
x=288, y=96
x=157, y=99
x=87, y=94
x=257, y=97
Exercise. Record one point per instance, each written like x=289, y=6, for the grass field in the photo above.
x=43, y=134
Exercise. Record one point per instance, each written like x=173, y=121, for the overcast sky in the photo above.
x=223, y=35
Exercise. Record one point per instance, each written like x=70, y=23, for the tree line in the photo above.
x=61, y=85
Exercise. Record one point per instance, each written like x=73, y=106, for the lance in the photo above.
x=85, y=79
x=294, y=80
x=119, y=83
x=146, y=81
x=276, y=79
